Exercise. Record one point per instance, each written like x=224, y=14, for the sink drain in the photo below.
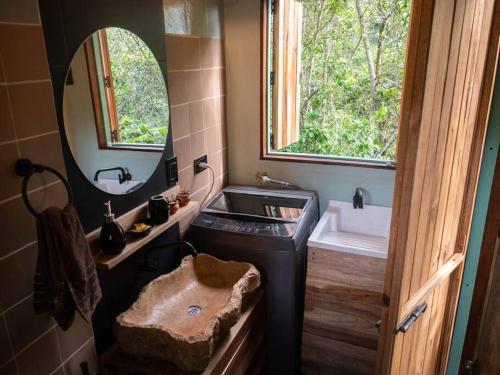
x=193, y=310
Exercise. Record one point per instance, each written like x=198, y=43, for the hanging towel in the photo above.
x=66, y=278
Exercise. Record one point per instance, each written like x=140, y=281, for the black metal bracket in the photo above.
x=405, y=325
x=26, y=168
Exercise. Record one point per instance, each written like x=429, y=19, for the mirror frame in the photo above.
x=66, y=25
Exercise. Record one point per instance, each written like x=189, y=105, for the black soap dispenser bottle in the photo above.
x=112, y=237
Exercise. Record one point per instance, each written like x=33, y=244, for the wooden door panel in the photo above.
x=415, y=357
x=437, y=134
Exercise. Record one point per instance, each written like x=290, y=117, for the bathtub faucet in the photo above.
x=357, y=200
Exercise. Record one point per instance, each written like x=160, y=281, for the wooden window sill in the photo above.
x=328, y=160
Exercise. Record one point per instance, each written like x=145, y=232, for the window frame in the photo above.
x=106, y=119
x=265, y=107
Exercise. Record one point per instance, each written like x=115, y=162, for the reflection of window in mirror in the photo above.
x=128, y=92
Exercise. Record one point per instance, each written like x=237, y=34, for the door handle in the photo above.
x=405, y=325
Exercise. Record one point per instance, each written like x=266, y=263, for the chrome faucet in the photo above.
x=357, y=200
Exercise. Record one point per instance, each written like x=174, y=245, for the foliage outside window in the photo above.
x=132, y=92
x=340, y=96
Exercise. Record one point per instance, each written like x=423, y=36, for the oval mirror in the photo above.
x=115, y=110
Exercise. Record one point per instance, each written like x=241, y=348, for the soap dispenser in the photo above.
x=112, y=237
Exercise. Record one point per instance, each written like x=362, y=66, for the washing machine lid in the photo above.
x=261, y=204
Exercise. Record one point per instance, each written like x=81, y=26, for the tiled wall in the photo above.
x=195, y=58
x=29, y=343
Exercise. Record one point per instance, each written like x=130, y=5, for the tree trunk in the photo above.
x=369, y=58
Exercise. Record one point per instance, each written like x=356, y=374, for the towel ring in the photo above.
x=25, y=168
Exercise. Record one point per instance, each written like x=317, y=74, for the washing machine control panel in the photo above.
x=248, y=227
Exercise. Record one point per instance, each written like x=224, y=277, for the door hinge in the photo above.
x=273, y=6
x=115, y=136
x=271, y=78
x=107, y=81
x=405, y=325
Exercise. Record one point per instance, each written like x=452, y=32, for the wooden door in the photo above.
x=446, y=97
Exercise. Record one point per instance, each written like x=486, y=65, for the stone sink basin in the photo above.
x=179, y=316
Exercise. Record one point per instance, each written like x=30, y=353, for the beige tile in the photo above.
x=200, y=180
x=184, y=87
x=222, y=81
x=177, y=87
x=11, y=183
x=49, y=196
x=72, y=339
x=209, y=113
x=223, y=161
x=182, y=149
x=6, y=124
x=196, y=116
x=19, y=11
x=198, y=146
x=210, y=83
x=221, y=109
x=193, y=85
x=180, y=121
x=85, y=354
x=33, y=108
x=225, y=179
x=17, y=225
x=17, y=274
x=186, y=178
x=221, y=137
x=40, y=358
x=211, y=53
x=23, y=50
x=44, y=150
x=9, y=368
x=183, y=52
x=200, y=195
x=5, y=350
x=211, y=140
x=215, y=162
x=24, y=325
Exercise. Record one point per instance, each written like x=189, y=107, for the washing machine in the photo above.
x=269, y=228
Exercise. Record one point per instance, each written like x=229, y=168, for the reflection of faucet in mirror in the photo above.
x=124, y=176
x=116, y=110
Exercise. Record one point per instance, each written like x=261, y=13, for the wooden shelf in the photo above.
x=107, y=262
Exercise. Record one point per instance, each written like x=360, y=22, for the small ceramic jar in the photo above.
x=183, y=198
x=174, y=206
x=158, y=209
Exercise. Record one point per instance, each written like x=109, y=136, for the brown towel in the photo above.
x=66, y=277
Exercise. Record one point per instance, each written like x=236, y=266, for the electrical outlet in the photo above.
x=197, y=167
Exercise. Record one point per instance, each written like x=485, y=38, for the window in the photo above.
x=128, y=92
x=332, y=79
